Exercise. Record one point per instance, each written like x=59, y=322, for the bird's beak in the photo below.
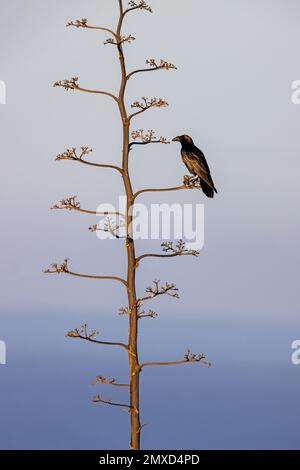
x=176, y=139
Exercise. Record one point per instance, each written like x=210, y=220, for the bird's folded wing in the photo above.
x=201, y=170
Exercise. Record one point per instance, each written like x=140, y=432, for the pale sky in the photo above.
x=232, y=93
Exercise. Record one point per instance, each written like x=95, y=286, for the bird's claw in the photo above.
x=191, y=182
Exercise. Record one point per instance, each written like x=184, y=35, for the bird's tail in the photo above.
x=208, y=190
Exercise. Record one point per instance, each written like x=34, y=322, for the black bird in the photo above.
x=196, y=163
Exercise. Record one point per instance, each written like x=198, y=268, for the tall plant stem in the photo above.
x=134, y=367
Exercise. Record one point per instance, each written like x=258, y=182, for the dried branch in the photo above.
x=71, y=84
x=83, y=23
x=158, y=190
x=141, y=313
x=188, y=183
x=158, y=289
x=99, y=399
x=146, y=104
x=83, y=333
x=102, y=380
x=149, y=314
x=189, y=357
x=71, y=154
x=141, y=5
x=147, y=138
x=124, y=311
x=172, y=251
x=179, y=249
x=58, y=269
x=162, y=65
x=110, y=227
x=153, y=66
x=78, y=23
x=63, y=268
x=122, y=40
x=70, y=204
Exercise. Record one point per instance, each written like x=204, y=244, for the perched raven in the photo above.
x=195, y=161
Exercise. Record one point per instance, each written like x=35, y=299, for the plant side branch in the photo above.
x=72, y=155
x=63, y=268
x=188, y=183
x=171, y=251
x=72, y=84
x=141, y=5
x=189, y=357
x=103, y=380
x=110, y=227
x=153, y=66
x=157, y=289
x=71, y=204
x=147, y=138
x=83, y=333
x=145, y=104
x=83, y=23
x=99, y=399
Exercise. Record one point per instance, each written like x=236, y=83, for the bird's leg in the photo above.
x=194, y=178
x=192, y=182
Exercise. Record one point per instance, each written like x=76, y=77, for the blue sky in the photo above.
x=239, y=301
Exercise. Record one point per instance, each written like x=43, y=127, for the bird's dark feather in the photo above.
x=196, y=163
x=208, y=190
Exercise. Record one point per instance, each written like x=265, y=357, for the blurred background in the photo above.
x=239, y=302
